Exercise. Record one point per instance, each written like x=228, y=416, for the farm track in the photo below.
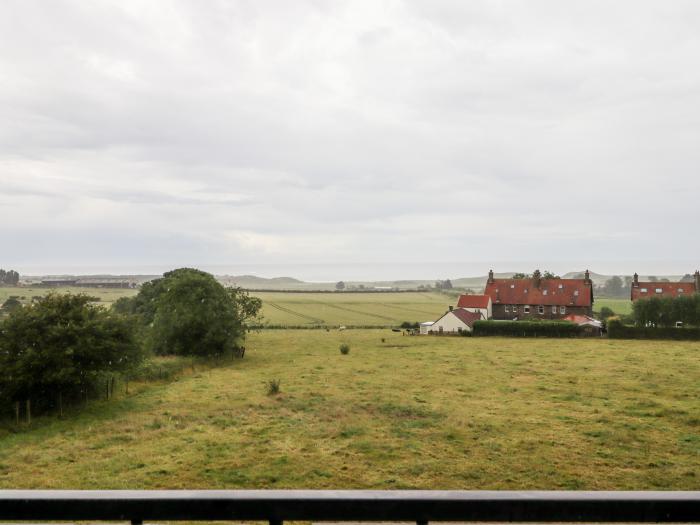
x=310, y=320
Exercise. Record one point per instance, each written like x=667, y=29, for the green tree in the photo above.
x=606, y=312
x=59, y=346
x=188, y=312
x=340, y=285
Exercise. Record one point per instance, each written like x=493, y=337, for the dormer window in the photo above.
x=561, y=286
x=512, y=286
x=576, y=293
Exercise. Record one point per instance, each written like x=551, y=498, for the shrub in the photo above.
x=606, y=312
x=618, y=330
x=526, y=328
x=408, y=325
x=61, y=347
x=344, y=349
x=273, y=387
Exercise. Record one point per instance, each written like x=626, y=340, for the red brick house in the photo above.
x=537, y=298
x=647, y=289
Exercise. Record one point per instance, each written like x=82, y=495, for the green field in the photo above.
x=106, y=295
x=351, y=309
x=396, y=412
x=619, y=306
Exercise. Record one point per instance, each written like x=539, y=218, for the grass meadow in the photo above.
x=395, y=412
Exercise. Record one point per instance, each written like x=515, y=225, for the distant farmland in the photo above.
x=351, y=309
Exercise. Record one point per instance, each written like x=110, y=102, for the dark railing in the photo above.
x=418, y=506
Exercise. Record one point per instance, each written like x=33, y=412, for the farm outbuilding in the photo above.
x=455, y=321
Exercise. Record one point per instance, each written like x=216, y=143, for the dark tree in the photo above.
x=59, y=346
x=340, y=285
x=188, y=312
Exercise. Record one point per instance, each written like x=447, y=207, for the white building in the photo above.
x=425, y=327
x=454, y=322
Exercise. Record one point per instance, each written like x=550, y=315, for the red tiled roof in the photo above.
x=473, y=301
x=667, y=289
x=551, y=292
x=467, y=317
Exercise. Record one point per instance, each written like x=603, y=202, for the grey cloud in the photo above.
x=349, y=131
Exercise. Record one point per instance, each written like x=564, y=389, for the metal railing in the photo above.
x=418, y=506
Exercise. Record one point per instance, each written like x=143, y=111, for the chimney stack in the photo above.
x=587, y=278
x=451, y=308
x=697, y=281
x=490, y=277
x=635, y=280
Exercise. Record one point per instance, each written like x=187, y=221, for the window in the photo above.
x=561, y=286
x=507, y=308
x=576, y=293
x=554, y=309
x=680, y=290
x=544, y=292
x=512, y=286
x=659, y=290
x=540, y=310
x=526, y=309
x=562, y=310
x=643, y=290
x=515, y=309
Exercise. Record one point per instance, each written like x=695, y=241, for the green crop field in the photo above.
x=396, y=412
x=351, y=309
x=619, y=306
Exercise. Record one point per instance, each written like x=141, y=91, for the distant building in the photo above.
x=425, y=327
x=57, y=283
x=454, y=321
x=647, y=289
x=538, y=298
x=476, y=303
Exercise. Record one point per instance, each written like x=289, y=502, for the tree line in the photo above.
x=667, y=311
x=9, y=277
x=63, y=348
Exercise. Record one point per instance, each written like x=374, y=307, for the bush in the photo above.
x=526, y=328
x=606, y=312
x=344, y=349
x=618, y=330
x=408, y=325
x=273, y=387
x=63, y=347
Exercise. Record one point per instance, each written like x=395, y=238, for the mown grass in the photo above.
x=412, y=412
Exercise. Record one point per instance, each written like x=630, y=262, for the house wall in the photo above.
x=450, y=324
x=500, y=314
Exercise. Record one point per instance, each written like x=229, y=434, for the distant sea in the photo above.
x=374, y=271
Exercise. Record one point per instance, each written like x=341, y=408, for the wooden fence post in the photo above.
x=17, y=412
x=29, y=412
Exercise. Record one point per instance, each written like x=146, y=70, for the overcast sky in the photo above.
x=143, y=134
